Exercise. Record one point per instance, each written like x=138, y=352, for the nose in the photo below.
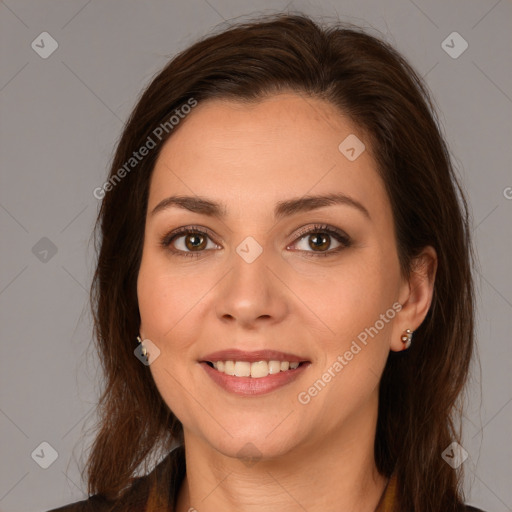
x=252, y=294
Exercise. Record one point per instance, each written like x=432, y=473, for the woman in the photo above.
x=285, y=249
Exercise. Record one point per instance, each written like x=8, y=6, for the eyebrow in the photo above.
x=282, y=209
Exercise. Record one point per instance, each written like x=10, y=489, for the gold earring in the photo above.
x=406, y=338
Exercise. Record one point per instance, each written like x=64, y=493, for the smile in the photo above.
x=256, y=370
x=263, y=381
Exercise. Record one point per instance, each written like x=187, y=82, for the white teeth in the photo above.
x=273, y=367
x=259, y=369
x=242, y=369
x=229, y=367
x=255, y=370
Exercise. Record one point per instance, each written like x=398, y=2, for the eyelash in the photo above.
x=336, y=233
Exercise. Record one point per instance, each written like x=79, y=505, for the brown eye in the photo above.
x=319, y=241
x=195, y=241
x=188, y=242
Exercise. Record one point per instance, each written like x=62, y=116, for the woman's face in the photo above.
x=265, y=270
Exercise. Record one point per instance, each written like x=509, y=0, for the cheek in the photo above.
x=166, y=297
x=154, y=294
x=165, y=303
x=358, y=313
x=349, y=297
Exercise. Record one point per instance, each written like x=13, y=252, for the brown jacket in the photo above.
x=157, y=491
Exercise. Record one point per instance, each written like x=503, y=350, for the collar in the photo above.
x=388, y=499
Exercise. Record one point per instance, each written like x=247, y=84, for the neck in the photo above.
x=335, y=473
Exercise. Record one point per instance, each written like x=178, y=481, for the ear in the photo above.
x=415, y=296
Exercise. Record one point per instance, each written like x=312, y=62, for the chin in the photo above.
x=248, y=445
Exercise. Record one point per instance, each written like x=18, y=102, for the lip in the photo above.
x=249, y=386
x=252, y=357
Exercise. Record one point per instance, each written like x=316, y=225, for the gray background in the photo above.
x=60, y=119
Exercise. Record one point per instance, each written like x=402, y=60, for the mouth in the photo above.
x=255, y=370
x=253, y=373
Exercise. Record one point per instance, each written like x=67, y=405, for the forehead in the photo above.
x=286, y=145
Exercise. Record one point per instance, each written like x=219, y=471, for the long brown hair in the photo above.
x=371, y=84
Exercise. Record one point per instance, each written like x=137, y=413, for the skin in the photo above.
x=314, y=457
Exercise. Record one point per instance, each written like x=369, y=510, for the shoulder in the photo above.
x=94, y=503
x=160, y=485
x=136, y=495
x=469, y=508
